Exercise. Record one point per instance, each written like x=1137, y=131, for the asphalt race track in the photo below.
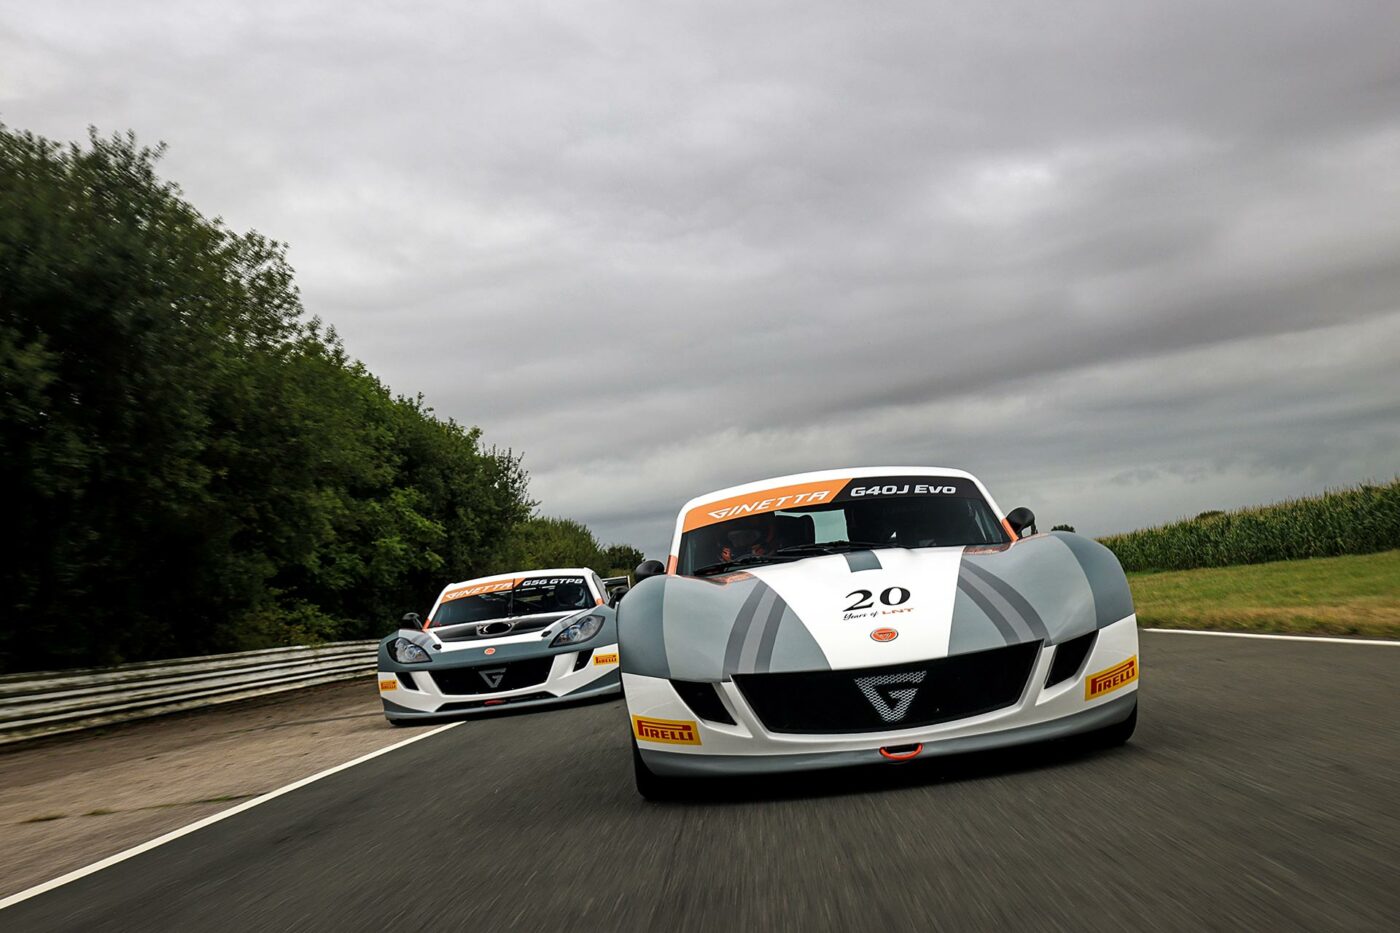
x=1262, y=791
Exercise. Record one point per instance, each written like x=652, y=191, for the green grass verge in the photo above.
x=1353, y=595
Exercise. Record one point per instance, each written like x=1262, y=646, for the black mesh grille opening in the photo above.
x=581, y=661
x=407, y=680
x=492, y=704
x=494, y=678
x=878, y=699
x=1069, y=658
x=703, y=700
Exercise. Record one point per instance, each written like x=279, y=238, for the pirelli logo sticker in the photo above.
x=602, y=660
x=669, y=731
x=1107, y=681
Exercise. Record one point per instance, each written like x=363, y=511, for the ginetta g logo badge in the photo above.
x=891, y=694
x=884, y=634
x=493, y=677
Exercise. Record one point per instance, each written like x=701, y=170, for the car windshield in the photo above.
x=867, y=512
x=507, y=599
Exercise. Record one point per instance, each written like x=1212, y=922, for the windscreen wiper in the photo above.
x=746, y=561
x=834, y=547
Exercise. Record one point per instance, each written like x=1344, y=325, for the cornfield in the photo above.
x=1356, y=520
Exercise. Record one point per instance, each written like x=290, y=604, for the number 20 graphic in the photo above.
x=865, y=599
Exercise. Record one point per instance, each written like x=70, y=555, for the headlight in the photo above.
x=579, y=631
x=406, y=652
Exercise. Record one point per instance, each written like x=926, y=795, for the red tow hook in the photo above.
x=902, y=752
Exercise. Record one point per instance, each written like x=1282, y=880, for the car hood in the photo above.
x=535, y=637
x=871, y=608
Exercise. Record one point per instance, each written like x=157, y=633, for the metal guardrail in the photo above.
x=44, y=703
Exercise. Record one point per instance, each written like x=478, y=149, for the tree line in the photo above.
x=192, y=464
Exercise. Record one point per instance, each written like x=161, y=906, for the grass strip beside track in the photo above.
x=1357, y=595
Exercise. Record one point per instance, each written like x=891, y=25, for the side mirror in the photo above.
x=1021, y=519
x=649, y=568
x=615, y=595
x=411, y=620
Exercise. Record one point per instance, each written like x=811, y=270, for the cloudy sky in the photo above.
x=1124, y=261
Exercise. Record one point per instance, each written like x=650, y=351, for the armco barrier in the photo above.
x=62, y=701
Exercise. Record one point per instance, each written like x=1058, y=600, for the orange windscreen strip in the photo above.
x=671, y=563
x=764, y=500
x=1007, y=525
x=476, y=589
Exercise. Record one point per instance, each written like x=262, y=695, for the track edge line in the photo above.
x=197, y=825
x=1332, y=640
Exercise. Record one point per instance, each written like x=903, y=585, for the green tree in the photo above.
x=196, y=465
x=550, y=542
x=619, y=559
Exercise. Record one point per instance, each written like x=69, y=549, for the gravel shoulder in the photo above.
x=68, y=801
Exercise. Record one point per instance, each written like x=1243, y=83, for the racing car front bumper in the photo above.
x=674, y=741
x=469, y=685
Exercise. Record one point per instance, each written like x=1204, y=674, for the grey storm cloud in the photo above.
x=1124, y=261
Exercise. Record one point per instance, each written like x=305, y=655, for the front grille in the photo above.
x=883, y=699
x=493, y=678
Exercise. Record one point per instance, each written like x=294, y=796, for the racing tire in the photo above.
x=1118, y=733
x=653, y=786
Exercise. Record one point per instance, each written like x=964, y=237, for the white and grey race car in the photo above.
x=514, y=639
x=864, y=616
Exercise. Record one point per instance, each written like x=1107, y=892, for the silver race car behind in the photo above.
x=515, y=639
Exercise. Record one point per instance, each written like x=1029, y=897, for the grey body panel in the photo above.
x=1113, y=600
x=1041, y=589
x=674, y=764
x=693, y=628
x=1047, y=588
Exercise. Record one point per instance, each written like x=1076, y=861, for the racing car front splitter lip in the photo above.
x=607, y=685
x=673, y=764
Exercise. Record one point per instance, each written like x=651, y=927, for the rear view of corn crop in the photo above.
x=1358, y=520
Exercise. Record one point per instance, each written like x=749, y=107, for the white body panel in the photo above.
x=819, y=590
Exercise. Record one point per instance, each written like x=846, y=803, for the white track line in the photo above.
x=1333, y=641
x=209, y=820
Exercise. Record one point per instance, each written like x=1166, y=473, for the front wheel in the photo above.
x=654, y=786
x=1118, y=733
